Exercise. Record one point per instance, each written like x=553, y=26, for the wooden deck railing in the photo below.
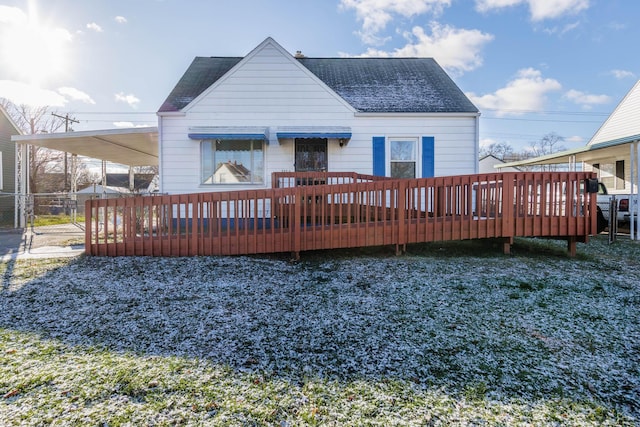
x=311, y=211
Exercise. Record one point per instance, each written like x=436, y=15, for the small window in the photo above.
x=619, y=175
x=596, y=168
x=232, y=161
x=403, y=158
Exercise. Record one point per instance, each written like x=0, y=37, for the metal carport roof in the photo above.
x=131, y=147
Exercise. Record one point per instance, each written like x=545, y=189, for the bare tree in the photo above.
x=34, y=120
x=500, y=150
x=147, y=169
x=548, y=144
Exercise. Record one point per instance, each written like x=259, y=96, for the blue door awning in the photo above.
x=230, y=133
x=329, y=132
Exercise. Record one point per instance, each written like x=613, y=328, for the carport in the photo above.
x=625, y=149
x=130, y=147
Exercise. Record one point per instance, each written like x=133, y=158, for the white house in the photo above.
x=489, y=162
x=612, y=152
x=272, y=111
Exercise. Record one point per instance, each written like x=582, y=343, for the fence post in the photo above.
x=295, y=222
x=88, y=214
x=401, y=239
x=508, y=211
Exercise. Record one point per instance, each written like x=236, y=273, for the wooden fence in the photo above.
x=311, y=211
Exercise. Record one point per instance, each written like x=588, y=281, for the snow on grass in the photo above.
x=449, y=333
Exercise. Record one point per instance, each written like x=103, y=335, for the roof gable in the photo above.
x=623, y=121
x=371, y=85
x=6, y=118
x=201, y=74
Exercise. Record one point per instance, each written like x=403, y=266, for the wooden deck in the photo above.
x=311, y=211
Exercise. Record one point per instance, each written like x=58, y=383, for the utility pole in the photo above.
x=67, y=120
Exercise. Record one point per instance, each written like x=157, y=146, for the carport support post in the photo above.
x=104, y=179
x=74, y=187
x=131, y=179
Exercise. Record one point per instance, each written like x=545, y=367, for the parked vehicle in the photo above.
x=622, y=203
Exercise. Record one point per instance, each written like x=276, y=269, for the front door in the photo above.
x=311, y=155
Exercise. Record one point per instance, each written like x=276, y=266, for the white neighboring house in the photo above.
x=613, y=153
x=271, y=111
x=489, y=162
x=118, y=184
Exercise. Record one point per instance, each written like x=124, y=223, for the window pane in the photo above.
x=620, y=175
x=403, y=150
x=232, y=162
x=403, y=169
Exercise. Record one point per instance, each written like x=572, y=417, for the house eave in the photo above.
x=171, y=114
x=412, y=114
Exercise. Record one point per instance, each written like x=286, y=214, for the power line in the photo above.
x=567, y=113
x=541, y=120
x=66, y=119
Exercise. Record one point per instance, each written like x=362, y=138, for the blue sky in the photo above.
x=531, y=66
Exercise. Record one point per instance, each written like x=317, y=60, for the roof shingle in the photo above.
x=372, y=85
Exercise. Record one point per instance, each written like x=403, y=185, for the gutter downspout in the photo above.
x=160, y=157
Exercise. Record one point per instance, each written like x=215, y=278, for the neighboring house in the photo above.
x=7, y=168
x=609, y=152
x=488, y=164
x=231, y=121
x=118, y=183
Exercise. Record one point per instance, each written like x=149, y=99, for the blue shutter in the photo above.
x=378, y=156
x=428, y=157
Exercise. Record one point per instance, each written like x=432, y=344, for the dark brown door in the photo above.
x=311, y=155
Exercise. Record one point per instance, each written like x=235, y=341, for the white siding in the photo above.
x=623, y=122
x=270, y=88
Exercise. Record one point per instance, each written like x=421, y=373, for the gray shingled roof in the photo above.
x=373, y=85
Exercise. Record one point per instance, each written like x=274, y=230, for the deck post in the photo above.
x=506, y=245
x=571, y=246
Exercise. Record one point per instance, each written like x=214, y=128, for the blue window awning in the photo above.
x=230, y=133
x=329, y=132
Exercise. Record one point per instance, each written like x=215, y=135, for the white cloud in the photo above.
x=376, y=14
x=94, y=27
x=123, y=124
x=455, y=49
x=539, y=9
x=562, y=31
x=12, y=15
x=574, y=139
x=486, y=142
x=526, y=92
x=622, y=74
x=120, y=19
x=21, y=93
x=127, y=125
x=130, y=99
x=586, y=100
x=76, y=95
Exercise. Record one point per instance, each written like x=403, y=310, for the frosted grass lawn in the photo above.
x=452, y=333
